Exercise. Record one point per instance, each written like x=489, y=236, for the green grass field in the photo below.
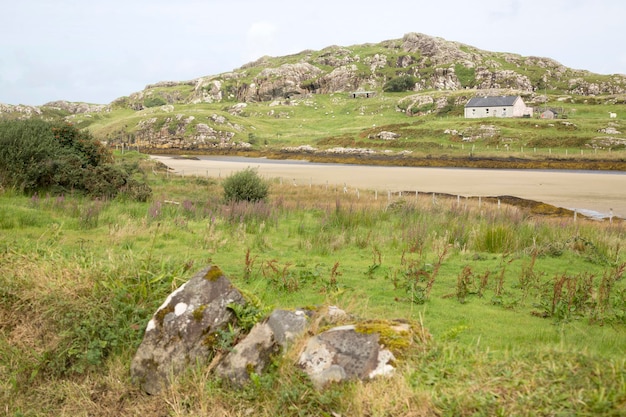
x=526, y=315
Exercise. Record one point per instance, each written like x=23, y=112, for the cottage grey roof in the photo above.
x=494, y=101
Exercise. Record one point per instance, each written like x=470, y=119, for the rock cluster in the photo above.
x=610, y=130
x=78, y=108
x=182, y=131
x=385, y=135
x=189, y=328
x=25, y=112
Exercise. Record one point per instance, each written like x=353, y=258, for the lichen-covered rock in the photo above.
x=266, y=339
x=363, y=350
x=342, y=353
x=183, y=328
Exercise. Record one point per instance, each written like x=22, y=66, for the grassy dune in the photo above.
x=525, y=314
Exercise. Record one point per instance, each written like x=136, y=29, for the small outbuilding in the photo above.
x=362, y=94
x=497, y=106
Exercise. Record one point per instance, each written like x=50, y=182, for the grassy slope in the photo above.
x=327, y=121
x=81, y=278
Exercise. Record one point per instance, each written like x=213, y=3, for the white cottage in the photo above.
x=497, y=106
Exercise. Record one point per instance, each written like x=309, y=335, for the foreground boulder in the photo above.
x=354, y=351
x=182, y=330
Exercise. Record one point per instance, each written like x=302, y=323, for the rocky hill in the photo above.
x=421, y=73
x=429, y=63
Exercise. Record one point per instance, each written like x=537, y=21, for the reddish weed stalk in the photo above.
x=248, y=265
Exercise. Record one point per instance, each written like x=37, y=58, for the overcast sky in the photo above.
x=96, y=51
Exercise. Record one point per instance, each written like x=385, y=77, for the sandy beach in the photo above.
x=593, y=191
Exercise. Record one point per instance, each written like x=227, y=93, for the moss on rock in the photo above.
x=213, y=274
x=160, y=315
x=198, y=313
x=394, y=335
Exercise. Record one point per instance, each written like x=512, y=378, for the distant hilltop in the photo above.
x=416, y=62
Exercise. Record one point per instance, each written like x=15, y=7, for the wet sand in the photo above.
x=594, y=191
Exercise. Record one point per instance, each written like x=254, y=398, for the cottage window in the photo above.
x=487, y=111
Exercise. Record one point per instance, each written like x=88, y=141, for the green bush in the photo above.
x=154, y=102
x=245, y=185
x=27, y=154
x=399, y=84
x=57, y=157
x=466, y=76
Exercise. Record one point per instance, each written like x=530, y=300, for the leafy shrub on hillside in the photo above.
x=245, y=185
x=399, y=84
x=154, y=102
x=466, y=76
x=57, y=157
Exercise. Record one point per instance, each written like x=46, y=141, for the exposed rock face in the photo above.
x=488, y=79
x=445, y=79
x=343, y=78
x=437, y=49
x=435, y=63
x=413, y=104
x=284, y=81
x=585, y=88
x=609, y=131
x=335, y=56
x=179, y=333
x=207, y=91
x=376, y=62
x=473, y=134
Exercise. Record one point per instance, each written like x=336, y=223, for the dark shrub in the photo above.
x=29, y=154
x=154, y=102
x=245, y=185
x=402, y=83
x=57, y=157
